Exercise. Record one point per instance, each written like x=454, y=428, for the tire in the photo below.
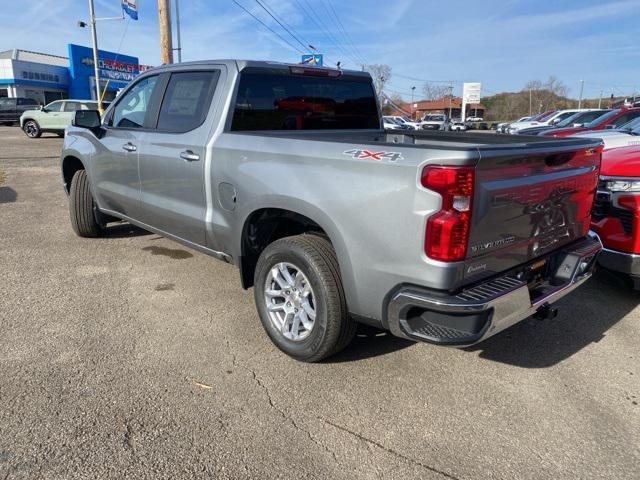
x=32, y=129
x=314, y=257
x=82, y=207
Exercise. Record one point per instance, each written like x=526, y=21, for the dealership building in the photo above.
x=46, y=77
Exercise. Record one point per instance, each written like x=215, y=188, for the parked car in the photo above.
x=12, y=108
x=436, y=239
x=502, y=127
x=553, y=119
x=390, y=124
x=435, y=122
x=405, y=121
x=575, y=120
x=458, y=125
x=627, y=135
x=53, y=118
x=611, y=120
x=616, y=211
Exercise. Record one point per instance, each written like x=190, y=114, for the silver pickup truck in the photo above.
x=286, y=172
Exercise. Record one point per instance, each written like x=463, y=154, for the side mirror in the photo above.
x=86, y=119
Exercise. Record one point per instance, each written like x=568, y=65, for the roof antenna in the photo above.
x=338, y=65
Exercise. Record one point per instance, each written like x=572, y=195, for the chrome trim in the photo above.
x=511, y=306
x=623, y=262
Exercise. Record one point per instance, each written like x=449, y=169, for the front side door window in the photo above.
x=131, y=109
x=53, y=107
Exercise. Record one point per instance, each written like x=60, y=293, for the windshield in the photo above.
x=581, y=117
x=633, y=125
x=602, y=118
x=544, y=116
x=435, y=118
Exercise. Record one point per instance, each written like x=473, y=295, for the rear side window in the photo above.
x=289, y=102
x=27, y=101
x=71, y=106
x=186, y=100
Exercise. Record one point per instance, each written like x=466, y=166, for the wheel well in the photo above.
x=70, y=165
x=265, y=226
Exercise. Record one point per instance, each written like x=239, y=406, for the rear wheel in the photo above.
x=32, y=129
x=300, y=299
x=82, y=208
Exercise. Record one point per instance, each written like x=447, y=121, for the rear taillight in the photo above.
x=447, y=232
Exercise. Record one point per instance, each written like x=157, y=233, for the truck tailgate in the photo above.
x=529, y=202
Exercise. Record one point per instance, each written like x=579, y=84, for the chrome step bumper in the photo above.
x=490, y=307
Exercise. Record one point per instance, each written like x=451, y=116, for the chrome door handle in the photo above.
x=189, y=156
x=129, y=147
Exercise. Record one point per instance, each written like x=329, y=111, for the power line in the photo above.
x=268, y=27
x=282, y=25
x=317, y=19
x=344, y=32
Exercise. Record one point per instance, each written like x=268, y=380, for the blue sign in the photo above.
x=312, y=59
x=130, y=7
x=115, y=68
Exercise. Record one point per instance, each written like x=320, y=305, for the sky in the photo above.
x=501, y=43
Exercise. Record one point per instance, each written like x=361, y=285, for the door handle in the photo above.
x=189, y=156
x=129, y=147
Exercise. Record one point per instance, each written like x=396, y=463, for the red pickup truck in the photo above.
x=614, y=119
x=616, y=211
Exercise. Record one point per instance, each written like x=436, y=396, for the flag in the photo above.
x=130, y=7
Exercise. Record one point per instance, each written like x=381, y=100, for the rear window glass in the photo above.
x=291, y=102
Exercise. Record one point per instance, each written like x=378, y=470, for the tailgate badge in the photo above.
x=363, y=154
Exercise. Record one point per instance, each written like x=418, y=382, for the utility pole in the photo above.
x=530, y=104
x=581, y=90
x=94, y=41
x=164, y=22
x=412, y=90
x=600, y=100
x=179, y=47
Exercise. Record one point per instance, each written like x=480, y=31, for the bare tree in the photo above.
x=433, y=91
x=380, y=74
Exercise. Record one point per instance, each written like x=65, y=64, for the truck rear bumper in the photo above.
x=490, y=307
x=622, y=262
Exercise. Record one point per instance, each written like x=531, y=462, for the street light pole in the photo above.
x=179, y=47
x=581, y=90
x=94, y=39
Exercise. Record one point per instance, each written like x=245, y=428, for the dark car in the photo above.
x=12, y=108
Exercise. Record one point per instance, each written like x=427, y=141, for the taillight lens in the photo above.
x=447, y=232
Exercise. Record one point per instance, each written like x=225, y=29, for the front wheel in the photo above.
x=300, y=298
x=82, y=208
x=32, y=129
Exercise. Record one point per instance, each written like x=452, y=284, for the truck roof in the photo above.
x=253, y=64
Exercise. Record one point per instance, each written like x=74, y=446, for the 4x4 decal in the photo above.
x=378, y=156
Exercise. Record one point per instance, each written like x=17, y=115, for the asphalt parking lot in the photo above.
x=132, y=357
